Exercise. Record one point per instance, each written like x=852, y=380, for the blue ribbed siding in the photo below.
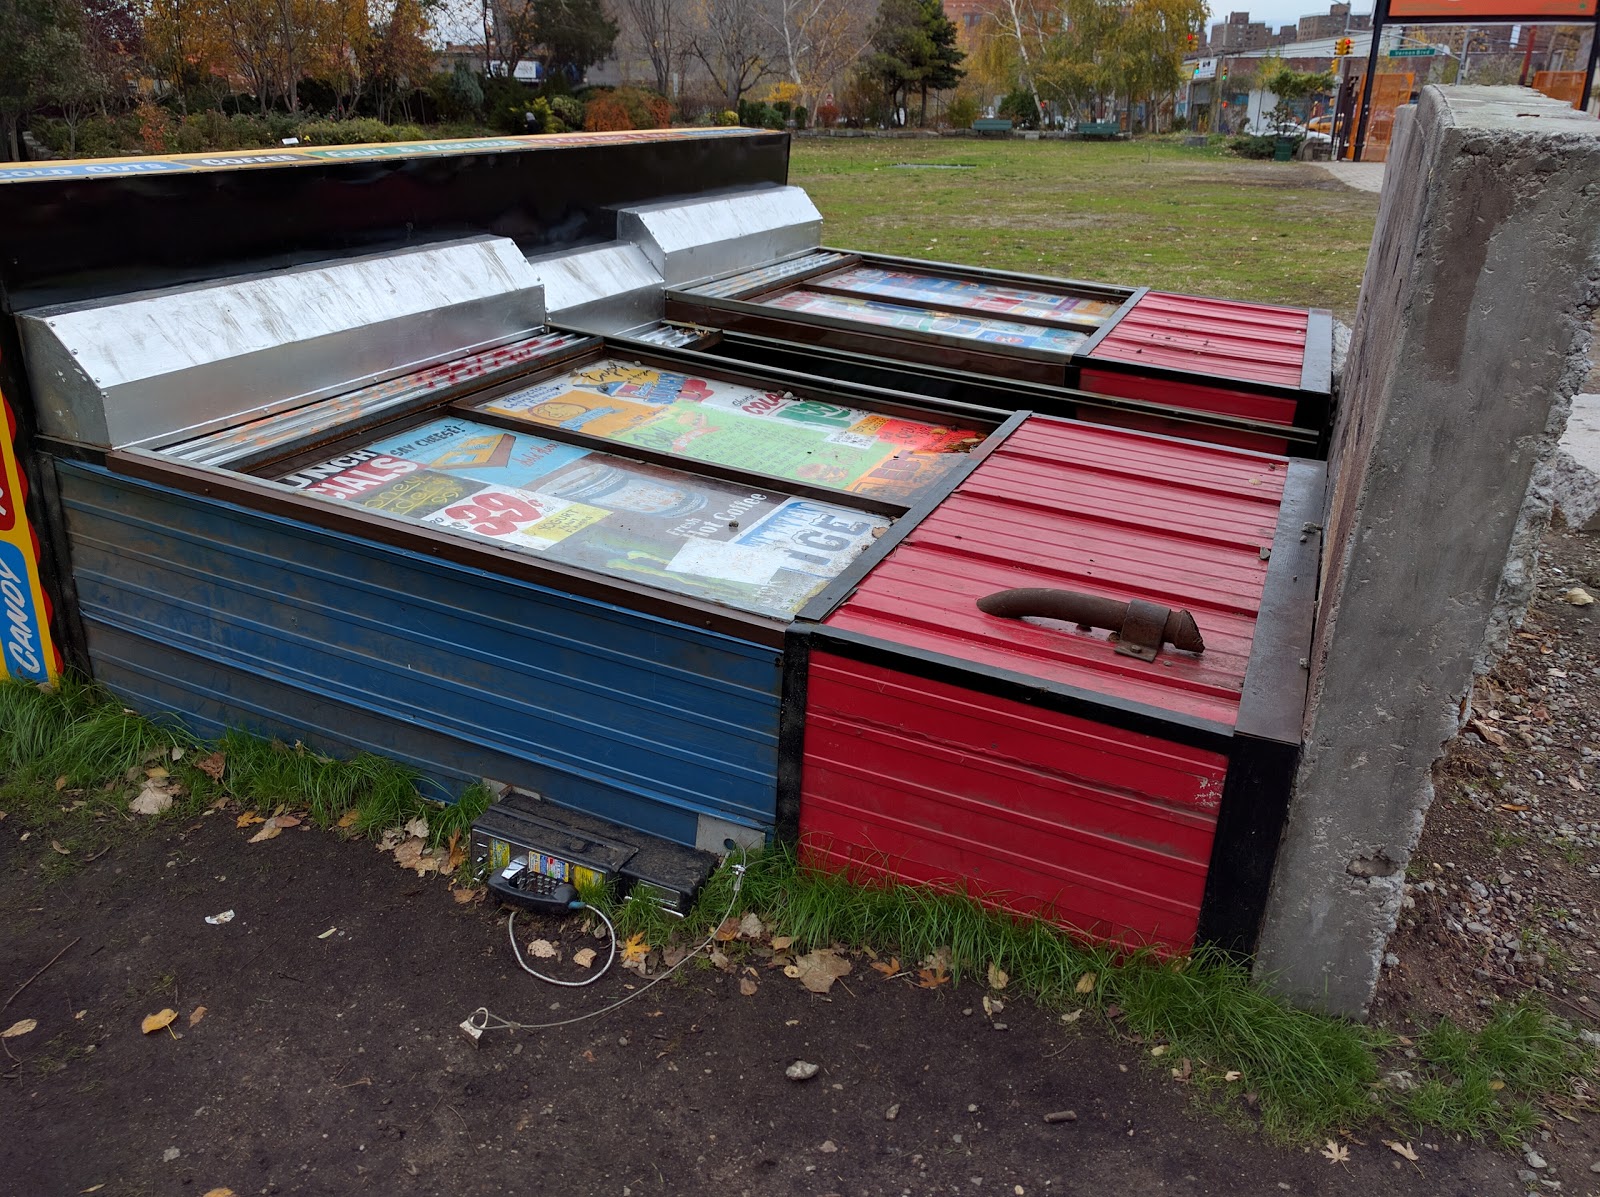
x=235, y=618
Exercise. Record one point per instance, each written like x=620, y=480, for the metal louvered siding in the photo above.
x=1252, y=342
x=235, y=618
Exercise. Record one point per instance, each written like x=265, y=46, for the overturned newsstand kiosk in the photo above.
x=392, y=449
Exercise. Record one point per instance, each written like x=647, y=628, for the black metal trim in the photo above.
x=1316, y=370
x=271, y=499
x=1255, y=805
x=821, y=604
x=989, y=275
x=1272, y=705
x=796, y=683
x=1020, y=687
x=1104, y=331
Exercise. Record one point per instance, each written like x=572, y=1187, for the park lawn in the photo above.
x=1141, y=213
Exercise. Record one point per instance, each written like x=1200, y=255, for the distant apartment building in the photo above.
x=1238, y=34
x=968, y=15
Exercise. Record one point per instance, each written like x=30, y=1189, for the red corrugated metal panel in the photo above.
x=1103, y=830
x=1082, y=507
x=1256, y=442
x=1189, y=396
x=1219, y=337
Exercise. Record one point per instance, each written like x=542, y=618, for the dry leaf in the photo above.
x=455, y=855
x=1231, y=1075
x=98, y=1187
x=543, y=949
x=157, y=1022
x=1085, y=983
x=583, y=957
x=328, y=934
x=55, y=846
x=286, y=820
x=469, y=894
x=156, y=773
x=152, y=800
x=1072, y=1016
x=635, y=949
x=818, y=970
x=246, y=819
x=348, y=819
x=992, y=1005
x=20, y=1027
x=61, y=783
x=270, y=830
x=212, y=766
x=729, y=930
x=409, y=854
x=1402, y=1150
x=747, y=986
x=1488, y=733
x=887, y=967
x=1334, y=1153
x=1159, y=1050
x=750, y=927
x=199, y=1013
x=418, y=827
x=1578, y=597
x=998, y=979
x=779, y=942
x=176, y=753
x=1497, y=1084
x=718, y=958
x=932, y=978
x=221, y=1192
x=938, y=961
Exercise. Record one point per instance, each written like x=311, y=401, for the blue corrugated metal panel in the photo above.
x=232, y=616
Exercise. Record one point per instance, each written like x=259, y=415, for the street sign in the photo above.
x=1413, y=52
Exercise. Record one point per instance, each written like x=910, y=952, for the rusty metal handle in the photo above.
x=1141, y=627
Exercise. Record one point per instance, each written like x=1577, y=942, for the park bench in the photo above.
x=1107, y=129
x=991, y=125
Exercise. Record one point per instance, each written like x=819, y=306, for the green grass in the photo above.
x=71, y=757
x=1308, y=1075
x=1146, y=213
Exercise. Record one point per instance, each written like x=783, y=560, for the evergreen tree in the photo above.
x=913, y=47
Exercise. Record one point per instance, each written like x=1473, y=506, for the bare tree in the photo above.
x=734, y=41
x=819, y=40
x=658, y=27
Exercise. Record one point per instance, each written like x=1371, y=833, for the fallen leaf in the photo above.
x=1184, y=1070
x=156, y=773
x=98, y=1187
x=1513, y=806
x=61, y=783
x=728, y=931
x=270, y=830
x=418, y=827
x=219, y=1193
x=887, y=967
x=469, y=894
x=152, y=800
x=55, y=846
x=328, y=934
x=635, y=949
x=719, y=959
x=747, y=986
x=992, y=1005
x=246, y=819
x=750, y=927
x=1497, y=1084
x=938, y=961
x=818, y=970
x=1578, y=597
x=1072, y=1016
x=286, y=820
x=1334, y=1153
x=779, y=942
x=932, y=978
x=199, y=1013
x=583, y=957
x=455, y=854
x=1401, y=1149
x=348, y=819
x=176, y=753
x=1159, y=1050
x=409, y=854
x=1487, y=732
x=543, y=949
x=1232, y=1075
x=1085, y=983
x=212, y=766
x=21, y=1027
x=998, y=979
x=156, y=1022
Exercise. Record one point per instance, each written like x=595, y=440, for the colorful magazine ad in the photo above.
x=929, y=320
x=478, y=451
x=755, y=551
x=802, y=440
x=983, y=297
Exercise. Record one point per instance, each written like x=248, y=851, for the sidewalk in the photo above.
x=1363, y=176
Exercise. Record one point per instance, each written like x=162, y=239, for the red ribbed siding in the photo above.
x=1098, y=828
x=1216, y=337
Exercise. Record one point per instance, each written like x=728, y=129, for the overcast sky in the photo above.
x=1277, y=12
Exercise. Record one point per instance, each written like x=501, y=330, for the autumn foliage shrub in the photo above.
x=605, y=113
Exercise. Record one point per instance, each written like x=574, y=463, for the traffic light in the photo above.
x=1190, y=42
x=1342, y=46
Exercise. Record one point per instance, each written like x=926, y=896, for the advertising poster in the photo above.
x=981, y=297
x=25, y=647
x=798, y=439
x=758, y=552
x=929, y=320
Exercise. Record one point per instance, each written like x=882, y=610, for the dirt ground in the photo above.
x=328, y=1059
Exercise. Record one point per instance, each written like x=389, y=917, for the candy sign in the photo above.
x=25, y=649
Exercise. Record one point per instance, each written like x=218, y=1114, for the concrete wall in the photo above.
x=1470, y=339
